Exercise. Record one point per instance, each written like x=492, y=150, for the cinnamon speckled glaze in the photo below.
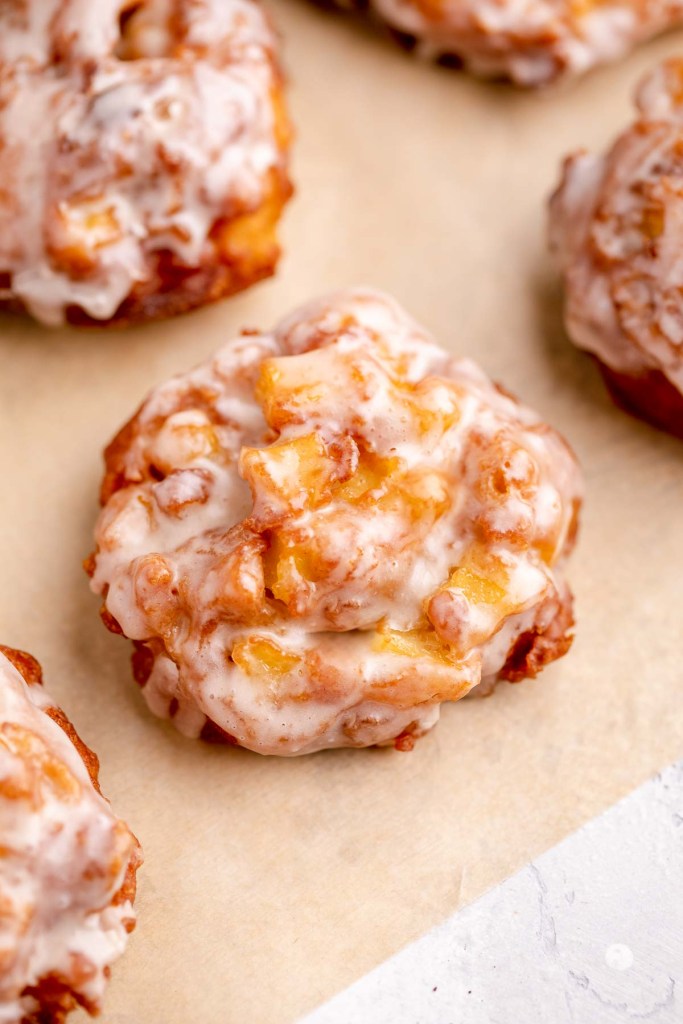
x=530, y=42
x=616, y=228
x=143, y=156
x=67, y=863
x=322, y=533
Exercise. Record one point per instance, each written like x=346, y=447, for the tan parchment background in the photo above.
x=269, y=885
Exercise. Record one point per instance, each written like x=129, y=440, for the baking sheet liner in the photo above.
x=270, y=884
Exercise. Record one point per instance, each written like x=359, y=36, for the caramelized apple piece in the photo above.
x=412, y=643
x=262, y=658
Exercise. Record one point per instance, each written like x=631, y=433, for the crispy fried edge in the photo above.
x=53, y=994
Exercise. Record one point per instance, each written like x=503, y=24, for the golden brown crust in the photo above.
x=25, y=664
x=116, y=454
x=175, y=289
x=29, y=669
x=114, y=464
x=55, y=999
x=536, y=648
x=649, y=396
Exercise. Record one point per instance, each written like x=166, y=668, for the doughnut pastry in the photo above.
x=531, y=42
x=323, y=532
x=616, y=227
x=67, y=864
x=143, y=156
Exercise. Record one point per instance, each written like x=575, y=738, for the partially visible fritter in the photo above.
x=616, y=228
x=531, y=42
x=67, y=864
x=143, y=156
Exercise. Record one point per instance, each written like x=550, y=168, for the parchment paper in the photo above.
x=270, y=884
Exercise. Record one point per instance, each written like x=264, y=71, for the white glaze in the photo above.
x=375, y=382
x=63, y=858
x=194, y=126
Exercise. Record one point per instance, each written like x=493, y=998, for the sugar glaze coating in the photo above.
x=616, y=228
x=322, y=533
x=67, y=864
x=531, y=42
x=143, y=152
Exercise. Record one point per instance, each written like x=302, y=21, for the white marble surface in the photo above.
x=590, y=933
